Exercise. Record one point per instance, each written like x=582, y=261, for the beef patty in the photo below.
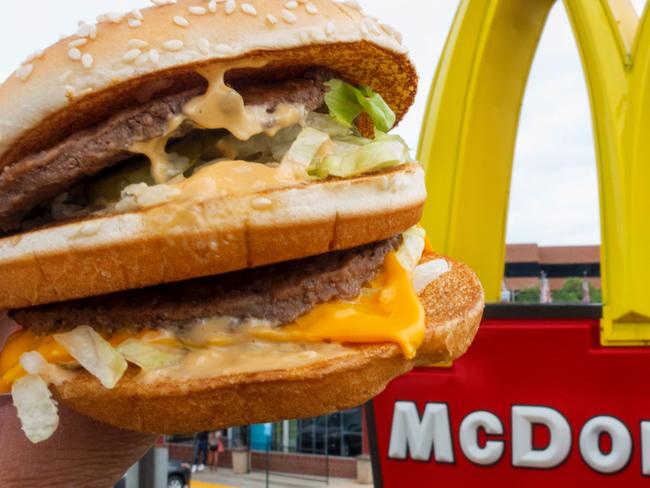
x=279, y=293
x=43, y=176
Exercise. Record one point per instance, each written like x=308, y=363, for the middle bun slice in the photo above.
x=177, y=241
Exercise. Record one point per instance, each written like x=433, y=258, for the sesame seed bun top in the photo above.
x=125, y=59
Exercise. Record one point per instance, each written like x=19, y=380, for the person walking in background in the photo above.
x=200, y=451
x=215, y=444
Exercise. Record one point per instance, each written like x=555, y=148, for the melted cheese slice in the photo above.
x=21, y=342
x=386, y=311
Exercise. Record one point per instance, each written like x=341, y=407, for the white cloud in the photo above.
x=554, y=196
x=639, y=5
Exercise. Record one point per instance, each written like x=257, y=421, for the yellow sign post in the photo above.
x=470, y=128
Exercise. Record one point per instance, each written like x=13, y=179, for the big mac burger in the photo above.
x=206, y=221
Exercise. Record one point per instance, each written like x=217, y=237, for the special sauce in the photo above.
x=220, y=107
x=245, y=357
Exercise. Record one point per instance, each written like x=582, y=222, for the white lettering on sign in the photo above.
x=645, y=448
x=621, y=450
x=468, y=435
x=559, y=446
x=420, y=437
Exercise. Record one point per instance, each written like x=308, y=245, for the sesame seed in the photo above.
x=364, y=28
x=330, y=28
x=74, y=54
x=137, y=14
x=261, y=203
x=312, y=9
x=93, y=32
x=394, y=33
x=134, y=23
x=65, y=76
x=130, y=55
x=212, y=6
x=291, y=5
x=70, y=92
x=173, y=45
x=247, y=8
x=194, y=10
x=101, y=18
x=181, y=21
x=139, y=43
x=78, y=43
x=87, y=60
x=372, y=27
x=304, y=36
x=231, y=5
x=84, y=29
x=142, y=59
x=289, y=17
x=162, y=3
x=271, y=19
x=223, y=48
x=115, y=17
x=154, y=56
x=204, y=46
x=24, y=72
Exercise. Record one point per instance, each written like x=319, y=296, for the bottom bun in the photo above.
x=453, y=304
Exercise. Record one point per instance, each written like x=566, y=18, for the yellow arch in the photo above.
x=470, y=130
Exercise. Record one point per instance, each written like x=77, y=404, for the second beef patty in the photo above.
x=279, y=293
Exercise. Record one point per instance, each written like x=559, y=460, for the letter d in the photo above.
x=523, y=453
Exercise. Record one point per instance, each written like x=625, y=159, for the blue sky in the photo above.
x=554, y=197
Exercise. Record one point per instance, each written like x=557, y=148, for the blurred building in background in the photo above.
x=573, y=272
x=316, y=448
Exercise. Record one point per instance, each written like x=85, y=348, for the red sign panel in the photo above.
x=533, y=403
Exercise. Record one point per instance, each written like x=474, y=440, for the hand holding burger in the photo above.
x=72, y=455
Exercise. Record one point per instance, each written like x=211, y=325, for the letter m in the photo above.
x=418, y=436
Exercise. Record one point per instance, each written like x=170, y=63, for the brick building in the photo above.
x=526, y=262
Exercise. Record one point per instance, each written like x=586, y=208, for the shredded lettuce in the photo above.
x=362, y=159
x=346, y=103
x=37, y=410
x=150, y=356
x=412, y=247
x=34, y=363
x=325, y=123
x=304, y=149
x=94, y=353
x=427, y=273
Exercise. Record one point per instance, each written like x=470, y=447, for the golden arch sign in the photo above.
x=469, y=136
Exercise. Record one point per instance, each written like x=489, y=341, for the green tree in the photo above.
x=528, y=295
x=571, y=292
x=596, y=294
